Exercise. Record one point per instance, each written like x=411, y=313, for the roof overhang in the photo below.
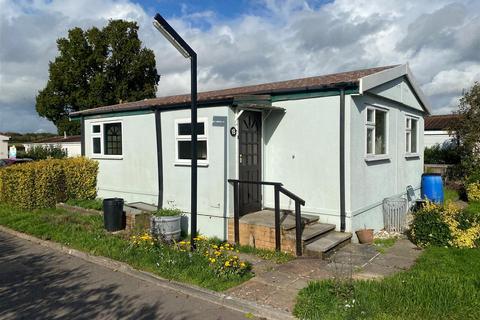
x=374, y=80
x=255, y=102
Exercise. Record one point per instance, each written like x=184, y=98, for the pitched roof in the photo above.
x=57, y=139
x=440, y=122
x=303, y=84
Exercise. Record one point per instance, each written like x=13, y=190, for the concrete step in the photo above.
x=328, y=242
x=267, y=218
x=311, y=232
x=288, y=220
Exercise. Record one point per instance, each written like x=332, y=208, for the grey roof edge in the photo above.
x=376, y=79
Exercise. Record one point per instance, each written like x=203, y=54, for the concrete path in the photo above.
x=39, y=283
x=277, y=286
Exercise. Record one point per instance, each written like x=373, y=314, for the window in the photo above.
x=376, y=137
x=411, y=135
x=107, y=139
x=113, y=138
x=183, y=130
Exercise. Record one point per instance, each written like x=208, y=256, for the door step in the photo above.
x=314, y=231
x=330, y=241
x=267, y=218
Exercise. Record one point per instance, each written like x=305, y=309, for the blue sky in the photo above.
x=250, y=41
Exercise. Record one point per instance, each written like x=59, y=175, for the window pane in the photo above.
x=370, y=113
x=96, y=145
x=96, y=128
x=184, y=129
x=407, y=142
x=414, y=136
x=370, y=140
x=185, y=150
x=380, y=132
x=113, y=138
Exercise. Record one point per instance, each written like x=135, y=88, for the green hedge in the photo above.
x=43, y=183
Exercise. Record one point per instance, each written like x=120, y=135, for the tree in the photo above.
x=467, y=130
x=96, y=68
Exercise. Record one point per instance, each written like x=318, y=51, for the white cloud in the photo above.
x=285, y=39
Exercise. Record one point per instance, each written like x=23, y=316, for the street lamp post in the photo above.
x=171, y=35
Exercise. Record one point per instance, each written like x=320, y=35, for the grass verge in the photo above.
x=272, y=255
x=95, y=204
x=85, y=233
x=444, y=284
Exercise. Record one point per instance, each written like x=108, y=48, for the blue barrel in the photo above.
x=432, y=187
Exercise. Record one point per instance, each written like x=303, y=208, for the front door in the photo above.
x=249, y=159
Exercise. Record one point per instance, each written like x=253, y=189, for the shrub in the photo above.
x=473, y=191
x=44, y=183
x=439, y=154
x=428, y=227
x=45, y=152
x=447, y=225
x=80, y=178
x=168, y=212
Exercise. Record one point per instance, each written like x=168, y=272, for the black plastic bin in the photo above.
x=113, y=214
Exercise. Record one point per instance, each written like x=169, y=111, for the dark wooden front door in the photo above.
x=250, y=163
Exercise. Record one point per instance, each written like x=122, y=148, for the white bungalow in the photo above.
x=4, y=146
x=342, y=142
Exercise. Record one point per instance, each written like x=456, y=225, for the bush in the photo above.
x=445, y=226
x=45, y=152
x=429, y=228
x=473, y=191
x=44, y=183
x=437, y=154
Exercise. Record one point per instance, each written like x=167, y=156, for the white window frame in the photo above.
x=100, y=135
x=408, y=133
x=200, y=137
x=370, y=125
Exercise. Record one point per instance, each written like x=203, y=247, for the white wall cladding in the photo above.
x=134, y=175
x=212, y=178
x=372, y=181
x=434, y=137
x=301, y=150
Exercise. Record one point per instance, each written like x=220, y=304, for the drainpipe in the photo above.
x=342, y=160
x=82, y=136
x=158, y=132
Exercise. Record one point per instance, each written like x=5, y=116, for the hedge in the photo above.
x=43, y=183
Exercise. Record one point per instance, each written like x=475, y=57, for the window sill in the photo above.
x=412, y=156
x=103, y=157
x=372, y=158
x=189, y=164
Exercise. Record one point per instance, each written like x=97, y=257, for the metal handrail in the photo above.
x=292, y=195
x=278, y=186
x=266, y=183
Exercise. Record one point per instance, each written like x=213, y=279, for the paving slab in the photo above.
x=283, y=299
x=389, y=260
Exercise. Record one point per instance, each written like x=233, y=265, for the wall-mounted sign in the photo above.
x=233, y=131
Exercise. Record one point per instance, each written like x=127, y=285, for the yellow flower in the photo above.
x=227, y=264
x=242, y=264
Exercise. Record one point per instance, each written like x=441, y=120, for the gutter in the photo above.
x=82, y=133
x=158, y=132
x=342, y=161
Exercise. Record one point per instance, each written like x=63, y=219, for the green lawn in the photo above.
x=95, y=204
x=444, y=284
x=85, y=233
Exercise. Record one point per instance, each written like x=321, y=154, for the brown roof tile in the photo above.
x=325, y=81
x=440, y=122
